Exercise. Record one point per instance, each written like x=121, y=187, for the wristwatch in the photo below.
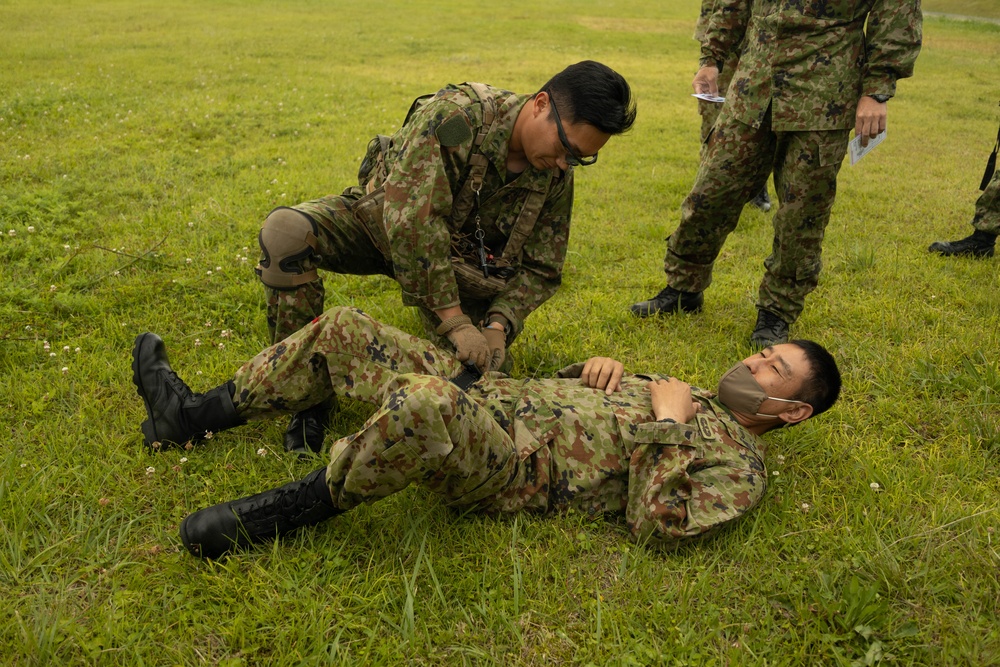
x=880, y=98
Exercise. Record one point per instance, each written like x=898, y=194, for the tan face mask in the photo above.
x=740, y=392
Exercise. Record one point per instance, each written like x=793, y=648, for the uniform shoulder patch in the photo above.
x=454, y=131
x=705, y=427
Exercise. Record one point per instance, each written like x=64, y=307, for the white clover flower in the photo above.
x=805, y=507
x=11, y=233
x=225, y=333
x=65, y=348
x=209, y=272
x=52, y=288
x=875, y=486
x=218, y=268
x=65, y=370
x=45, y=345
x=222, y=346
x=261, y=452
x=27, y=327
x=150, y=470
x=775, y=473
x=77, y=350
x=197, y=342
x=190, y=225
x=188, y=260
x=52, y=354
x=31, y=229
x=184, y=459
x=65, y=246
x=781, y=458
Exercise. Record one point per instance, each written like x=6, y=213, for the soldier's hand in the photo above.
x=706, y=80
x=870, y=119
x=603, y=373
x=470, y=344
x=497, y=340
x=672, y=400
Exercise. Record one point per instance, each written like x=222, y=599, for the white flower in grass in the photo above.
x=209, y=272
x=775, y=473
x=45, y=345
x=805, y=507
x=875, y=486
x=52, y=354
x=11, y=232
x=197, y=342
x=31, y=229
x=261, y=452
x=65, y=348
x=190, y=225
x=225, y=333
x=781, y=458
x=150, y=471
x=65, y=370
x=65, y=247
x=52, y=288
x=77, y=350
x=222, y=346
x=188, y=260
x=184, y=459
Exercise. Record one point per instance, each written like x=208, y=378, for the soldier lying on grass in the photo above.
x=677, y=462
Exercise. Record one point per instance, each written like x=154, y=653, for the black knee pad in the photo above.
x=287, y=237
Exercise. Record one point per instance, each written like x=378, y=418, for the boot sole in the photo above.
x=149, y=426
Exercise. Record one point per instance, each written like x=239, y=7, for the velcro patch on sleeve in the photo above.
x=705, y=427
x=454, y=131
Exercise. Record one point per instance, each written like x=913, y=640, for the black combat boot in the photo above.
x=668, y=301
x=308, y=428
x=979, y=245
x=176, y=414
x=770, y=330
x=215, y=531
x=762, y=200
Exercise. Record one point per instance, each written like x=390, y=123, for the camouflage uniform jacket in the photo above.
x=599, y=454
x=425, y=171
x=810, y=62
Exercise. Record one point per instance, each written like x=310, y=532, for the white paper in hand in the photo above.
x=709, y=97
x=857, y=151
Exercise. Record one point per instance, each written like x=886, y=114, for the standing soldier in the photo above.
x=808, y=72
x=985, y=222
x=467, y=206
x=674, y=461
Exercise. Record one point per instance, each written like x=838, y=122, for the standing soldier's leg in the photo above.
x=737, y=162
x=985, y=222
x=295, y=243
x=805, y=178
x=428, y=431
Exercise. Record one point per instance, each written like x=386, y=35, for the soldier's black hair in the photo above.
x=592, y=93
x=821, y=387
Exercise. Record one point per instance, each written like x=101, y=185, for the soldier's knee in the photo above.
x=287, y=238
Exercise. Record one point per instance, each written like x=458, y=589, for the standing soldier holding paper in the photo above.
x=807, y=74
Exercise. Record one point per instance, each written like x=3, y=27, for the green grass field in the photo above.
x=141, y=145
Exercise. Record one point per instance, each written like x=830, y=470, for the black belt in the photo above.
x=467, y=377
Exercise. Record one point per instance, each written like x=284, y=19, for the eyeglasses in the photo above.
x=572, y=159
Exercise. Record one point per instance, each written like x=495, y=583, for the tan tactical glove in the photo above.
x=470, y=344
x=497, y=338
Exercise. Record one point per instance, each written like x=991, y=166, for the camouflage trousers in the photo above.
x=987, y=216
x=426, y=429
x=343, y=246
x=735, y=166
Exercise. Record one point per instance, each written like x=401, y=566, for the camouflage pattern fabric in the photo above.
x=987, y=217
x=810, y=62
x=709, y=111
x=413, y=243
x=735, y=166
x=790, y=107
x=508, y=445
